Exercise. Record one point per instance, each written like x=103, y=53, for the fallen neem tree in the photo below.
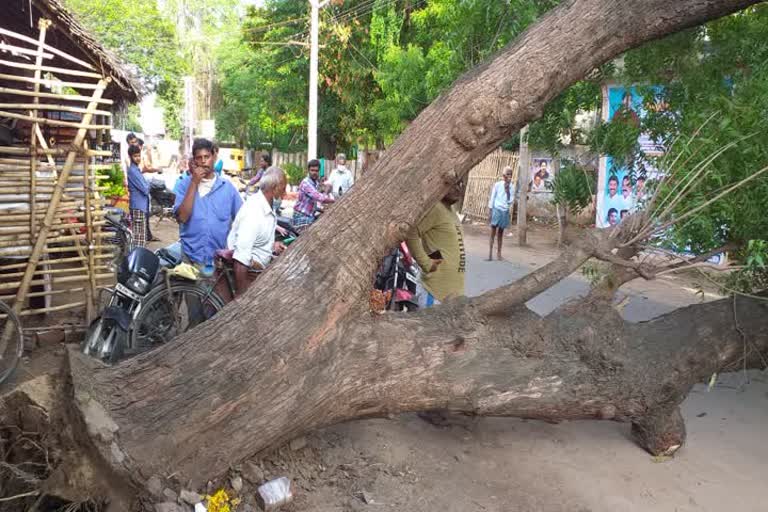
x=301, y=350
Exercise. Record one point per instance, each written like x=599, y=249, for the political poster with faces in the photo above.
x=621, y=190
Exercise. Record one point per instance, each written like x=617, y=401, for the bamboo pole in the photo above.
x=56, y=261
x=52, y=309
x=15, y=162
x=59, y=108
x=53, y=238
x=53, y=271
x=48, y=83
x=45, y=294
x=52, y=122
x=65, y=279
x=51, y=69
x=52, y=50
x=24, y=251
x=17, y=242
x=70, y=202
x=43, y=26
x=54, y=96
x=90, y=274
x=69, y=209
x=19, y=217
x=91, y=266
x=43, y=144
x=24, y=51
x=8, y=171
x=41, y=241
x=15, y=229
x=71, y=328
x=42, y=189
x=13, y=150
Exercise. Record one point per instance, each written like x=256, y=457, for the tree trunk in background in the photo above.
x=300, y=350
x=523, y=178
x=560, y=209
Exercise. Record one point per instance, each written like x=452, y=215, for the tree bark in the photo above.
x=300, y=351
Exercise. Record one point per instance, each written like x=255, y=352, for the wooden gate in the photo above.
x=481, y=180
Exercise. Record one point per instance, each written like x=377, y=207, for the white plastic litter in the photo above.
x=200, y=508
x=275, y=493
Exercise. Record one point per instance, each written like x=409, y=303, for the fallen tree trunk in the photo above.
x=580, y=362
x=300, y=351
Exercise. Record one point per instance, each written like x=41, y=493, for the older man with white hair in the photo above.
x=500, y=207
x=341, y=179
x=252, y=238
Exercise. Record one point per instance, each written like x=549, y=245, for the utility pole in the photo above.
x=189, y=113
x=313, y=56
x=524, y=167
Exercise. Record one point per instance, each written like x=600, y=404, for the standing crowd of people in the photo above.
x=213, y=216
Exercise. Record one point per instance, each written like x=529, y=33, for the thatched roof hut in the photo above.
x=67, y=34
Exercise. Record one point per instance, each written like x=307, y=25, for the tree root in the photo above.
x=42, y=465
x=661, y=433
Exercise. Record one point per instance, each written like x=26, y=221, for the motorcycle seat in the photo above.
x=225, y=254
x=114, y=219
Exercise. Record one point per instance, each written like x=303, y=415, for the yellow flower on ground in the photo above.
x=221, y=502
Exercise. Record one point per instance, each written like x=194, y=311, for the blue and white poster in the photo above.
x=622, y=190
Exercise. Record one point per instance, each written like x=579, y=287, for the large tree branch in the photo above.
x=295, y=353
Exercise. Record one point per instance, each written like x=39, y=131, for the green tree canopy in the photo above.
x=141, y=36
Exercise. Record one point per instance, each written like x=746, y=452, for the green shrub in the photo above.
x=573, y=187
x=294, y=173
x=114, y=184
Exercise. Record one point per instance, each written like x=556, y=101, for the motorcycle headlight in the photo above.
x=138, y=284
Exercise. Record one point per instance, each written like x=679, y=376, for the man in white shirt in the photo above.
x=341, y=177
x=252, y=237
x=499, y=205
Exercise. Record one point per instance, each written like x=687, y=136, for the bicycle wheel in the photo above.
x=166, y=313
x=11, y=341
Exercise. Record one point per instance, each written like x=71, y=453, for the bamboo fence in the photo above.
x=52, y=246
x=481, y=180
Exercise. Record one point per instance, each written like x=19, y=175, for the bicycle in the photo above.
x=11, y=341
x=170, y=310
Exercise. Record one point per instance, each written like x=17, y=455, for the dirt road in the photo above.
x=499, y=464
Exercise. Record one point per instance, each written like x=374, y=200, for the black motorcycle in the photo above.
x=161, y=199
x=148, y=307
x=120, y=235
x=109, y=335
x=397, y=278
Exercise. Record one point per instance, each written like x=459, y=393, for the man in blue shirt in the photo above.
x=138, y=197
x=205, y=206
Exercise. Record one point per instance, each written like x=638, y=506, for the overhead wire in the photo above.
x=368, y=5
x=353, y=13
x=371, y=65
